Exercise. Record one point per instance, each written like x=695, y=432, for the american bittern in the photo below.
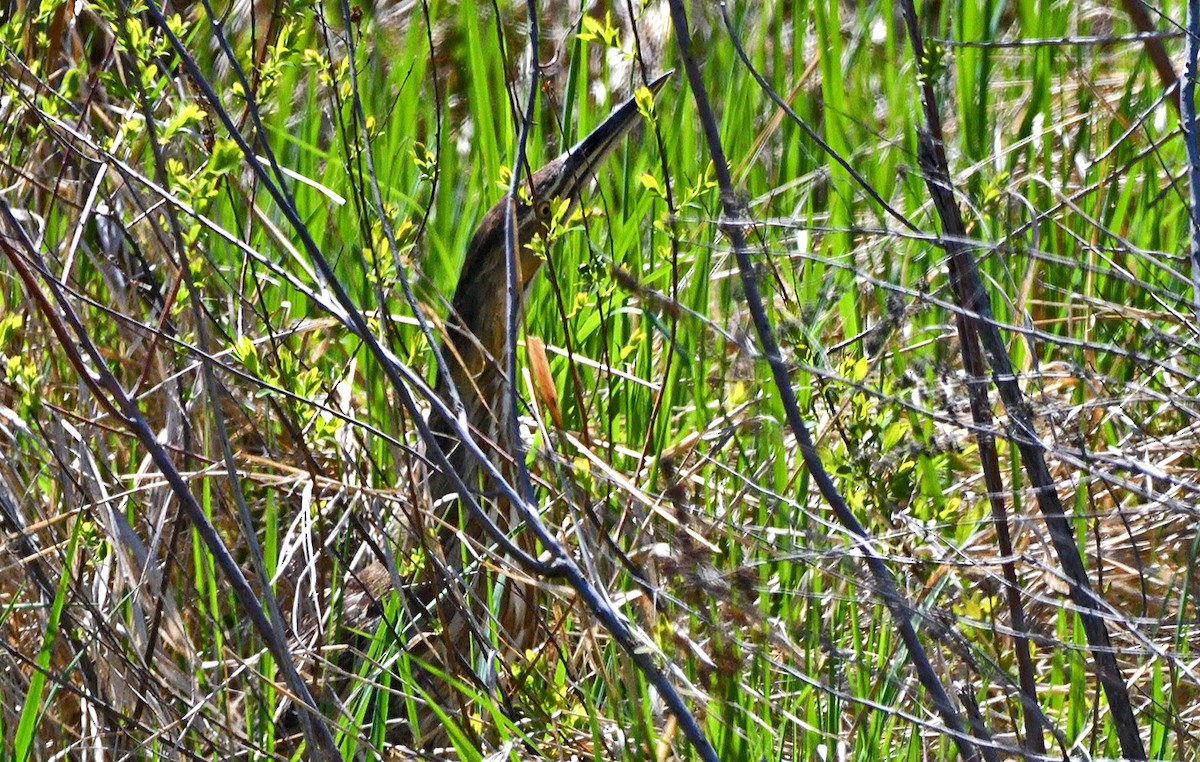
x=472, y=612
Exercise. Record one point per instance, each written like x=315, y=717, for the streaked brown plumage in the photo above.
x=473, y=352
x=477, y=344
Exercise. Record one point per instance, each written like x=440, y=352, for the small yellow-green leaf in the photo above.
x=650, y=183
x=226, y=156
x=645, y=101
x=245, y=354
x=591, y=30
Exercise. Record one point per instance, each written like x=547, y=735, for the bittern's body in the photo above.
x=474, y=352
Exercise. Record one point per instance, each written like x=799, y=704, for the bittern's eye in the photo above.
x=543, y=210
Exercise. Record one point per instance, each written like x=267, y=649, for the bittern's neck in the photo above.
x=476, y=323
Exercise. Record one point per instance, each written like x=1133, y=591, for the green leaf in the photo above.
x=225, y=157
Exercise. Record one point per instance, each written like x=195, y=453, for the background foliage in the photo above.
x=670, y=471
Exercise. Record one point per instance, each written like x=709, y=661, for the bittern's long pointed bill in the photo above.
x=566, y=175
x=478, y=301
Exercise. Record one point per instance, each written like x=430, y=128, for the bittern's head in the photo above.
x=564, y=178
